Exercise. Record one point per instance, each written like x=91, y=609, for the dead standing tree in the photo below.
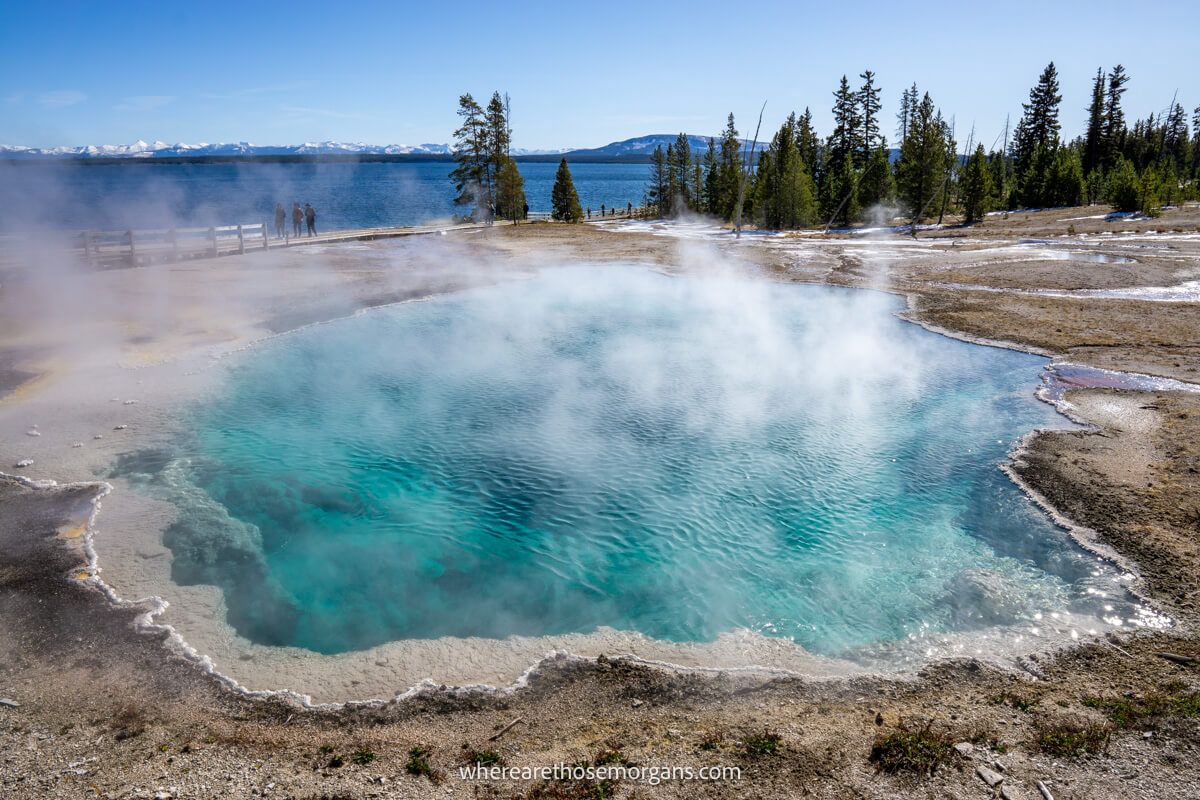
x=743, y=179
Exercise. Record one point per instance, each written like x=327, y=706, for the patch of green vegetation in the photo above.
x=915, y=750
x=362, y=757
x=419, y=764
x=336, y=762
x=762, y=744
x=1146, y=710
x=325, y=750
x=711, y=742
x=1068, y=739
x=484, y=758
x=1020, y=702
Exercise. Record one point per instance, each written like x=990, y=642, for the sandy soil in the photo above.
x=101, y=710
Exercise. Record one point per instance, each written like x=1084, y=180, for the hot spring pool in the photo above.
x=610, y=446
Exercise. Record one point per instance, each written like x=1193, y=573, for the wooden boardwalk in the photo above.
x=144, y=247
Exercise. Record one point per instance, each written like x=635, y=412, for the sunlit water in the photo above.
x=615, y=447
x=345, y=195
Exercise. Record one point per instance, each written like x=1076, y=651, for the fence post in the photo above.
x=132, y=250
x=241, y=241
x=266, y=239
x=212, y=242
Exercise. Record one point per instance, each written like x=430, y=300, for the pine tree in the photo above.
x=658, y=189
x=1122, y=189
x=510, y=191
x=921, y=169
x=908, y=104
x=679, y=162
x=844, y=143
x=1093, y=148
x=1175, y=139
x=807, y=142
x=785, y=196
x=1037, y=139
x=696, y=188
x=951, y=153
x=471, y=156
x=997, y=165
x=498, y=143
x=1114, y=117
x=1196, y=143
x=711, y=176
x=729, y=171
x=877, y=186
x=564, y=200
x=976, y=186
x=868, y=99
x=1066, y=182
x=838, y=188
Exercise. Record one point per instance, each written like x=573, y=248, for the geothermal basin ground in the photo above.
x=126, y=375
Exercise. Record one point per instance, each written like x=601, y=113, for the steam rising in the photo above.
x=608, y=447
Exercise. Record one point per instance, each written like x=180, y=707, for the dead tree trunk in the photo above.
x=745, y=176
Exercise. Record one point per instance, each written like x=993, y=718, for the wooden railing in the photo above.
x=172, y=244
x=618, y=213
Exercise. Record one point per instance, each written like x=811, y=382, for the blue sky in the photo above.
x=580, y=74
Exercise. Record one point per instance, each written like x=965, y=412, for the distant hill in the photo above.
x=644, y=146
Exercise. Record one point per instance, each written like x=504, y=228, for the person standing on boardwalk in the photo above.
x=602, y=210
x=279, y=218
x=297, y=218
x=310, y=216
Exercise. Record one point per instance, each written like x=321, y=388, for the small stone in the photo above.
x=33, y=432
x=964, y=749
x=8, y=701
x=1148, y=735
x=130, y=402
x=120, y=427
x=98, y=436
x=1009, y=794
x=638, y=703
x=992, y=779
x=24, y=462
x=76, y=444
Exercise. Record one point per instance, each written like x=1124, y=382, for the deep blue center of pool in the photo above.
x=609, y=446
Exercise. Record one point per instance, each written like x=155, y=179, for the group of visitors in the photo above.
x=306, y=215
x=605, y=210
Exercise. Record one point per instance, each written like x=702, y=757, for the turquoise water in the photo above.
x=615, y=447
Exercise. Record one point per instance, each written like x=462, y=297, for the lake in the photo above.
x=346, y=195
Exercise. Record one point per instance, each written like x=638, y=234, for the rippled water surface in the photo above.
x=615, y=447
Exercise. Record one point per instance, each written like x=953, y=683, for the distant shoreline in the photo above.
x=310, y=158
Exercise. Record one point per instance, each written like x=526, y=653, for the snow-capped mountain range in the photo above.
x=143, y=149
x=637, y=149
